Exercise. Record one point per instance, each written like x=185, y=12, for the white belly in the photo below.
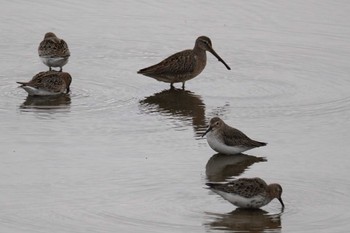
x=39, y=92
x=54, y=61
x=242, y=202
x=220, y=146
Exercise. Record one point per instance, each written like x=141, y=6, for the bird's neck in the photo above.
x=197, y=50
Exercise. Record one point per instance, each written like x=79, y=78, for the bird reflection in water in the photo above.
x=61, y=101
x=220, y=167
x=180, y=104
x=245, y=220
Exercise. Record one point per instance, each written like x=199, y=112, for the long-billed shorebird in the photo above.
x=48, y=83
x=184, y=65
x=53, y=51
x=248, y=192
x=227, y=140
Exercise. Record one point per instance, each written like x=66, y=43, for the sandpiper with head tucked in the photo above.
x=227, y=140
x=184, y=65
x=48, y=83
x=248, y=192
x=53, y=51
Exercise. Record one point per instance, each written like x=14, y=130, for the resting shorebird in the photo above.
x=184, y=65
x=48, y=83
x=53, y=51
x=227, y=140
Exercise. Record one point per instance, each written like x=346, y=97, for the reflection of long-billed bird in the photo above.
x=178, y=103
x=220, y=167
x=248, y=192
x=184, y=65
x=227, y=140
x=245, y=220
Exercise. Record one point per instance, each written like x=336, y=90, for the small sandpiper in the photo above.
x=184, y=65
x=48, y=83
x=53, y=51
x=227, y=140
x=248, y=192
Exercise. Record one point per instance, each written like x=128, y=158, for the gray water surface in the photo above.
x=123, y=153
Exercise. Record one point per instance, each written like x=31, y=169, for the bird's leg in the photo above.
x=172, y=86
x=49, y=68
x=183, y=86
x=61, y=69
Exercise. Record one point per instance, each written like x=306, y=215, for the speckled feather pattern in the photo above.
x=248, y=192
x=53, y=47
x=50, y=81
x=184, y=65
x=179, y=67
x=244, y=187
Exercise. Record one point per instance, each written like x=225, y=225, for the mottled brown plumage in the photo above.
x=184, y=65
x=244, y=187
x=248, y=192
x=48, y=83
x=53, y=51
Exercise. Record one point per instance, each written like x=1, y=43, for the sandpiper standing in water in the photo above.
x=227, y=140
x=53, y=51
x=48, y=83
x=184, y=65
x=248, y=192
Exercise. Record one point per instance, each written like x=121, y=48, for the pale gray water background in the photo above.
x=119, y=154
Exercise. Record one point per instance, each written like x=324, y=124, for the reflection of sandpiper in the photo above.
x=48, y=83
x=248, y=192
x=53, y=51
x=184, y=65
x=46, y=102
x=220, y=167
x=243, y=220
x=227, y=140
x=178, y=103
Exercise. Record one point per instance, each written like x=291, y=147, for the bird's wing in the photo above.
x=47, y=81
x=234, y=137
x=178, y=63
x=63, y=47
x=53, y=47
x=245, y=187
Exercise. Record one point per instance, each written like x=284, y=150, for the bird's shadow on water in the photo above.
x=178, y=104
x=245, y=220
x=220, y=167
x=57, y=102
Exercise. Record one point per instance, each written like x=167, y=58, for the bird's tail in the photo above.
x=22, y=83
x=213, y=185
x=258, y=144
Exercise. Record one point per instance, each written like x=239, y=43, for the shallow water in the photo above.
x=123, y=153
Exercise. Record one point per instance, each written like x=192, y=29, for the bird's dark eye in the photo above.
x=205, y=42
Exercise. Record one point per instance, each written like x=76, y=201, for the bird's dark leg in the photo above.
x=49, y=68
x=172, y=86
x=183, y=86
x=61, y=69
